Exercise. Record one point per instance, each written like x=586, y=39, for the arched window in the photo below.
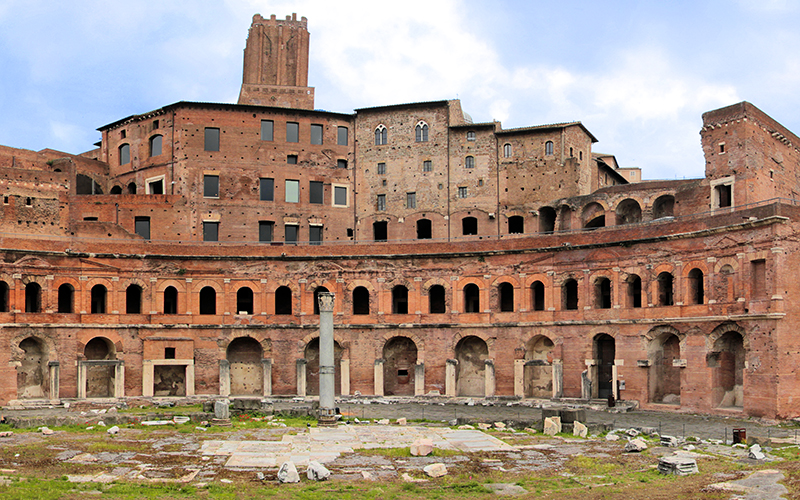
x=506, y=150
x=381, y=135
x=423, y=229
x=116, y=190
x=66, y=298
x=516, y=224
x=469, y=226
x=634, y=291
x=155, y=145
x=696, y=294
x=547, y=219
x=3, y=296
x=469, y=162
x=33, y=298
x=244, y=300
x=399, y=300
x=665, y=289
x=602, y=293
x=436, y=300
x=170, y=300
x=472, y=298
x=319, y=290
x=360, y=300
x=283, y=300
x=548, y=148
x=506, y=297
x=628, y=212
x=208, y=300
x=421, y=132
x=99, y=294
x=133, y=300
x=663, y=206
x=132, y=188
x=570, y=295
x=124, y=154
x=537, y=296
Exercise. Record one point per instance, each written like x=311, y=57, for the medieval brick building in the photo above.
x=183, y=256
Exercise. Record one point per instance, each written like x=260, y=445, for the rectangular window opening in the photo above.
x=316, y=134
x=292, y=132
x=169, y=353
x=292, y=191
x=341, y=136
x=267, y=130
x=211, y=186
x=142, y=227
x=210, y=231
x=211, y=139
x=340, y=196
x=265, y=229
x=266, y=189
x=316, y=189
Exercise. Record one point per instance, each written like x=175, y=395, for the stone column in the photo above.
x=558, y=378
x=119, y=379
x=345, y=378
x=519, y=378
x=147, y=378
x=378, y=377
x=488, y=380
x=450, y=377
x=615, y=377
x=327, y=369
x=190, y=378
x=81, y=380
x=55, y=376
x=266, y=369
x=419, y=379
x=224, y=378
x=301, y=377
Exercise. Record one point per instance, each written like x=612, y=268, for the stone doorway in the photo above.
x=604, y=350
x=664, y=377
x=311, y=355
x=727, y=362
x=246, y=369
x=169, y=380
x=471, y=354
x=538, y=374
x=100, y=378
x=33, y=380
x=400, y=355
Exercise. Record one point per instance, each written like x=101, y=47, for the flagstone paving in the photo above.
x=327, y=444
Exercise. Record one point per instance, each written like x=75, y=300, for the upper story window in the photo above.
x=548, y=148
x=462, y=192
x=210, y=231
x=421, y=132
x=315, y=190
x=155, y=124
x=124, y=154
x=339, y=196
x=211, y=139
x=122, y=134
x=471, y=135
x=506, y=150
x=427, y=166
x=291, y=159
x=469, y=162
x=381, y=203
x=292, y=132
x=211, y=186
x=292, y=191
x=381, y=168
x=316, y=134
x=381, y=135
x=411, y=200
x=155, y=145
x=267, y=130
x=341, y=136
x=340, y=163
x=266, y=189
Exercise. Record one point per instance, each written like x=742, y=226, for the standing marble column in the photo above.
x=327, y=369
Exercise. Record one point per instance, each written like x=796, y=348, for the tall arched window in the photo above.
x=506, y=150
x=436, y=300
x=360, y=300
x=244, y=300
x=208, y=300
x=665, y=297
x=66, y=294
x=696, y=295
x=99, y=294
x=421, y=132
x=283, y=300
x=506, y=297
x=381, y=135
x=548, y=148
x=399, y=300
x=469, y=162
x=170, y=300
x=155, y=145
x=570, y=295
x=472, y=298
x=537, y=296
x=133, y=300
x=124, y=154
x=33, y=298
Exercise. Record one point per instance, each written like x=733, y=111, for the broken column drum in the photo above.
x=327, y=370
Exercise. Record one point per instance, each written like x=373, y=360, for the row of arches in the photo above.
x=593, y=214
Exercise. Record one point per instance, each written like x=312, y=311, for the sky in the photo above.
x=638, y=74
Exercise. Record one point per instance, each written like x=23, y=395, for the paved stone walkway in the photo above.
x=327, y=444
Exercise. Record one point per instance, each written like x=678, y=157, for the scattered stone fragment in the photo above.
x=612, y=437
x=383, y=421
x=317, y=472
x=368, y=476
x=552, y=425
x=200, y=429
x=435, y=470
x=83, y=457
x=453, y=422
x=226, y=481
x=221, y=409
x=506, y=488
x=6, y=434
x=649, y=430
x=500, y=425
x=690, y=447
x=101, y=423
x=410, y=479
x=632, y=432
x=483, y=426
x=288, y=473
x=402, y=421
x=466, y=427
x=113, y=431
x=635, y=445
x=90, y=428
x=756, y=453
x=531, y=430
x=580, y=430
x=422, y=447
x=677, y=465
x=670, y=441
x=46, y=431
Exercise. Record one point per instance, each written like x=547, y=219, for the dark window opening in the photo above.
x=116, y=190
x=210, y=231
x=340, y=196
x=341, y=163
x=211, y=142
x=267, y=130
x=133, y=300
x=516, y=224
x=124, y=154
x=548, y=148
x=421, y=132
x=244, y=300
x=156, y=187
x=132, y=188
x=266, y=188
x=315, y=190
x=66, y=298
x=291, y=234
x=316, y=134
x=469, y=226
x=424, y=231
x=602, y=293
x=85, y=185
x=724, y=195
x=472, y=298
x=208, y=300
x=547, y=220
x=664, y=206
x=283, y=300
x=570, y=295
x=33, y=298
x=665, y=297
x=537, y=296
x=380, y=230
x=291, y=159
x=170, y=300
x=360, y=300
x=696, y=292
x=399, y=300
x=265, y=229
x=315, y=235
x=211, y=186
x=142, y=227
x=99, y=294
x=341, y=136
x=155, y=145
x=506, y=291
x=635, y=291
x=292, y=132
x=169, y=353
x=436, y=300
x=381, y=135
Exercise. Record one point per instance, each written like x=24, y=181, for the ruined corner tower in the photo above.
x=276, y=64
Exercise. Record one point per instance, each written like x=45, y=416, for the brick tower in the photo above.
x=276, y=64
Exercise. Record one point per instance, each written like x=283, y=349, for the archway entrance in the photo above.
x=400, y=355
x=665, y=378
x=312, y=367
x=244, y=355
x=33, y=381
x=471, y=353
x=100, y=378
x=727, y=361
x=538, y=374
x=604, y=352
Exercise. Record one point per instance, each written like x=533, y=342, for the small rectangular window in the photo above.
x=339, y=196
x=291, y=233
x=315, y=235
x=211, y=186
x=341, y=136
x=427, y=166
x=316, y=134
x=155, y=187
x=291, y=159
x=122, y=134
x=759, y=278
x=292, y=191
x=91, y=219
x=124, y=154
x=211, y=139
x=341, y=163
x=267, y=189
x=142, y=227
x=724, y=195
x=155, y=145
x=470, y=136
x=155, y=124
x=315, y=190
x=267, y=129
x=210, y=231
x=462, y=192
x=381, y=204
x=265, y=230
x=381, y=169
x=169, y=353
x=411, y=200
x=292, y=132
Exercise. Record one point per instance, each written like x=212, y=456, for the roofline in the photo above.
x=551, y=126
x=421, y=104
x=476, y=125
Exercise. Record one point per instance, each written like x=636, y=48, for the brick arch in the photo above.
x=601, y=274
x=46, y=338
x=389, y=285
x=569, y=276
x=178, y=284
x=357, y=283
x=616, y=200
x=312, y=287
x=133, y=281
x=542, y=277
x=664, y=268
x=722, y=329
x=225, y=340
x=83, y=338
x=469, y=333
x=32, y=278
x=200, y=284
x=694, y=264
x=303, y=342
x=287, y=283
x=662, y=331
x=426, y=287
x=729, y=261
x=76, y=284
x=506, y=279
x=462, y=282
x=418, y=340
x=255, y=286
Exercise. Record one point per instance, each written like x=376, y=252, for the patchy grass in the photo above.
x=406, y=452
